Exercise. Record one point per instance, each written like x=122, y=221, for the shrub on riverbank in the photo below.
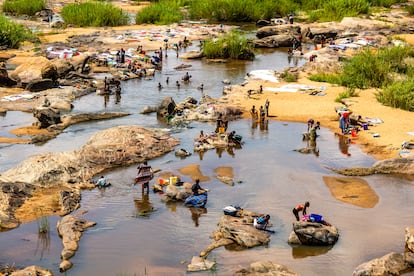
x=164, y=12
x=96, y=14
x=240, y=10
x=12, y=34
x=398, y=95
x=19, y=7
x=231, y=45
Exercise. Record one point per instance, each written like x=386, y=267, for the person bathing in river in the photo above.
x=196, y=188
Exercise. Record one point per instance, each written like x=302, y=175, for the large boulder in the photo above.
x=63, y=67
x=12, y=196
x=404, y=166
x=47, y=116
x=40, y=85
x=5, y=80
x=80, y=63
x=390, y=264
x=311, y=233
x=32, y=270
x=274, y=41
x=117, y=146
x=35, y=68
x=238, y=230
x=166, y=108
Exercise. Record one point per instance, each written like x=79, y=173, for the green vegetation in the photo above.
x=97, y=14
x=12, y=34
x=163, y=12
x=410, y=9
x=19, y=7
x=398, y=95
x=326, y=77
x=231, y=45
x=289, y=76
x=391, y=69
x=43, y=225
x=240, y=10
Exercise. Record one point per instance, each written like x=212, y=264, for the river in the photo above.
x=271, y=178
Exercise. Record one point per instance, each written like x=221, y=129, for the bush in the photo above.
x=97, y=14
x=231, y=45
x=325, y=77
x=19, y=7
x=12, y=34
x=161, y=13
x=335, y=10
x=240, y=10
x=398, y=95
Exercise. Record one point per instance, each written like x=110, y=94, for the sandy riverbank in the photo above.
x=300, y=106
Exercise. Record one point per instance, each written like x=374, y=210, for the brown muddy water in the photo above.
x=272, y=178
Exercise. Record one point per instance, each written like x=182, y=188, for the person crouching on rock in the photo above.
x=261, y=222
x=299, y=208
x=196, y=188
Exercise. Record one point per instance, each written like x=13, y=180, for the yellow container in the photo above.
x=173, y=180
x=222, y=129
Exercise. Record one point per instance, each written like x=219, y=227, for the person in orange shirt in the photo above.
x=299, y=208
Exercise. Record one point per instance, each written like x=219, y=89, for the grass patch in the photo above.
x=231, y=45
x=19, y=7
x=326, y=77
x=289, y=76
x=346, y=94
x=43, y=225
x=163, y=12
x=398, y=95
x=12, y=34
x=97, y=14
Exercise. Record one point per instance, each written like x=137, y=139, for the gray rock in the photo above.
x=40, y=85
x=47, y=116
x=390, y=264
x=310, y=233
x=266, y=268
x=200, y=264
x=166, y=108
x=409, y=238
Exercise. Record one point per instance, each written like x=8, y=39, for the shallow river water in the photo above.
x=272, y=179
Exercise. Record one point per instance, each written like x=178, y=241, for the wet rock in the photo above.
x=200, y=264
x=177, y=193
x=239, y=231
x=70, y=229
x=403, y=166
x=390, y=264
x=35, y=68
x=79, y=63
x=12, y=196
x=148, y=109
x=226, y=180
x=182, y=153
x=5, y=80
x=32, y=270
x=69, y=201
x=266, y=268
x=274, y=41
x=166, y=108
x=47, y=116
x=117, y=146
x=40, y=85
x=409, y=238
x=310, y=233
x=293, y=238
x=63, y=67
x=193, y=54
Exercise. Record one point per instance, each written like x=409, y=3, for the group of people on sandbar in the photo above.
x=262, y=113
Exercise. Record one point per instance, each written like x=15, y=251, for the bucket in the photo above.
x=365, y=126
x=173, y=180
x=221, y=129
x=353, y=133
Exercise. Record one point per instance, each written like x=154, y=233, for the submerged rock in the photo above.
x=266, y=268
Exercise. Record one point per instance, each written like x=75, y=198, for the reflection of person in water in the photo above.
x=313, y=147
x=196, y=213
x=264, y=125
x=343, y=144
x=219, y=151
x=201, y=154
x=106, y=99
x=143, y=206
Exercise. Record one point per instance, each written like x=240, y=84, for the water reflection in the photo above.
x=303, y=251
x=196, y=214
x=143, y=206
x=43, y=243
